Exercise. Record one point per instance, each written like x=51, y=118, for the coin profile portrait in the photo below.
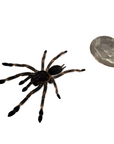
x=102, y=49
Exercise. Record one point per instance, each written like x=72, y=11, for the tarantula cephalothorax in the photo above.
x=39, y=79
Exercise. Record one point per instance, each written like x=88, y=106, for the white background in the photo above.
x=85, y=113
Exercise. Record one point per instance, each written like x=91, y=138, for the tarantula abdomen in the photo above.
x=56, y=69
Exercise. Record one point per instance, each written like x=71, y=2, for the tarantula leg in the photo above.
x=55, y=59
x=20, y=65
x=25, y=88
x=32, y=92
x=40, y=115
x=56, y=89
x=42, y=103
x=43, y=58
x=23, y=81
x=2, y=81
x=16, y=109
x=67, y=71
x=15, y=76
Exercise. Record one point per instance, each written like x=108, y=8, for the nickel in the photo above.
x=102, y=48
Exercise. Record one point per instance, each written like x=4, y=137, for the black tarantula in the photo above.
x=39, y=79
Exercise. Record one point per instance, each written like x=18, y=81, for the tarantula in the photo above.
x=39, y=79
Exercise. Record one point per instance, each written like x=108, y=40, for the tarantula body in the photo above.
x=38, y=79
x=43, y=76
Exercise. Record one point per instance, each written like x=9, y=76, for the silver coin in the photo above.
x=102, y=48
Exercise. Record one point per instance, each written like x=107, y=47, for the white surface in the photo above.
x=85, y=113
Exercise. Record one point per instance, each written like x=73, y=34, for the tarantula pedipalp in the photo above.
x=39, y=79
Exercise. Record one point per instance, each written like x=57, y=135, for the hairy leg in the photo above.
x=16, y=109
x=55, y=59
x=67, y=71
x=43, y=58
x=20, y=65
x=15, y=76
x=42, y=103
